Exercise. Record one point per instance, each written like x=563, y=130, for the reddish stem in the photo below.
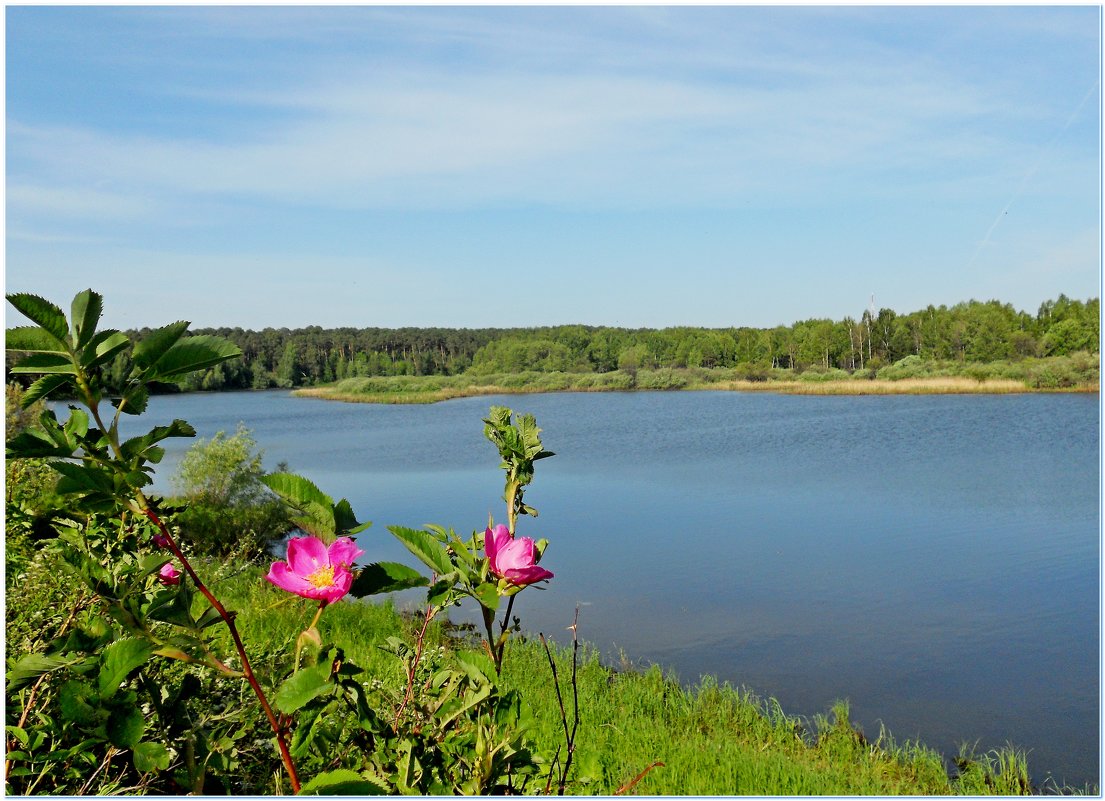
x=277, y=728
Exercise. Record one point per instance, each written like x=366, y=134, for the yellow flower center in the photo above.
x=323, y=577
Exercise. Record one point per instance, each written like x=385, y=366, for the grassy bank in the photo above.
x=910, y=376
x=707, y=739
x=712, y=739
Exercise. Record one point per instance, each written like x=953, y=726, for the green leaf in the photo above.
x=103, y=347
x=191, y=354
x=46, y=363
x=149, y=757
x=80, y=704
x=43, y=387
x=209, y=618
x=138, y=445
x=126, y=726
x=134, y=400
x=44, y=313
x=76, y=427
x=154, y=345
x=345, y=522
x=302, y=688
x=488, y=595
x=424, y=546
x=296, y=490
x=36, y=444
x=317, y=508
x=119, y=659
x=30, y=339
x=386, y=577
x=29, y=668
x=86, y=310
x=82, y=478
x=343, y=782
x=477, y=665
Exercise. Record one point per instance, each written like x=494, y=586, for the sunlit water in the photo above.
x=933, y=559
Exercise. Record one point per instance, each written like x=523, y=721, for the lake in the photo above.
x=933, y=559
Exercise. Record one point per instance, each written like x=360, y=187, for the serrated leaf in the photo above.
x=137, y=445
x=343, y=782
x=382, y=577
x=29, y=668
x=154, y=345
x=85, y=313
x=42, y=388
x=45, y=363
x=424, y=546
x=103, y=347
x=30, y=339
x=134, y=400
x=316, y=508
x=149, y=757
x=35, y=444
x=80, y=704
x=296, y=490
x=344, y=519
x=44, y=313
x=191, y=354
x=305, y=728
x=119, y=659
x=82, y=478
x=300, y=689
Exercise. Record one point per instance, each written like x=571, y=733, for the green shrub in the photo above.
x=228, y=509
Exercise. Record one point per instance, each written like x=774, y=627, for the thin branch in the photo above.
x=430, y=612
x=277, y=728
x=625, y=788
x=569, y=735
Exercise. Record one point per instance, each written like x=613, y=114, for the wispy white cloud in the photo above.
x=407, y=137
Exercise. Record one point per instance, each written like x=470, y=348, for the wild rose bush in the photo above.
x=121, y=692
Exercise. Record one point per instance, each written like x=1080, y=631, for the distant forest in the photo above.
x=969, y=332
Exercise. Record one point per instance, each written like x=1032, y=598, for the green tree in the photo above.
x=288, y=368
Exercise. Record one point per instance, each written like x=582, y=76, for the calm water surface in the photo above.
x=934, y=559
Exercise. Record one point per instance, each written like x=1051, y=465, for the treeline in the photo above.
x=966, y=332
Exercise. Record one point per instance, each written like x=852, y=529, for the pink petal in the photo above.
x=169, y=574
x=306, y=555
x=282, y=576
x=527, y=575
x=515, y=555
x=343, y=551
x=493, y=542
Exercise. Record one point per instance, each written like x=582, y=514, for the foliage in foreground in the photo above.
x=143, y=685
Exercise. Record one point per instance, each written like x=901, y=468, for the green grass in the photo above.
x=712, y=739
x=1079, y=372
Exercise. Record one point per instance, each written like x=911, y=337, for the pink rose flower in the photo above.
x=160, y=540
x=314, y=570
x=512, y=558
x=168, y=574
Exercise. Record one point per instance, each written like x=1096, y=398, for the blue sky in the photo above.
x=495, y=166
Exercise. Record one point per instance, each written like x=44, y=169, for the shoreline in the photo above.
x=951, y=385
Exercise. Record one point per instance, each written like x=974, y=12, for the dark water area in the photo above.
x=935, y=560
